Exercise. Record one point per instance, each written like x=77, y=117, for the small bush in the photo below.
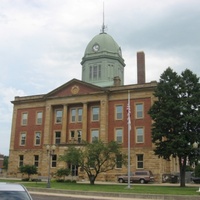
x=25, y=179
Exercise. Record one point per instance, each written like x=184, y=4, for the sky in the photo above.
x=42, y=43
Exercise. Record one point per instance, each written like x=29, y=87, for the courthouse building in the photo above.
x=83, y=110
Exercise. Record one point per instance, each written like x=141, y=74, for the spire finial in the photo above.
x=103, y=25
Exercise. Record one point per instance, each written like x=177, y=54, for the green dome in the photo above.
x=105, y=43
x=102, y=62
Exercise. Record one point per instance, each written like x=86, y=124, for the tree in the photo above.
x=197, y=171
x=176, y=115
x=94, y=158
x=28, y=169
x=5, y=162
x=62, y=172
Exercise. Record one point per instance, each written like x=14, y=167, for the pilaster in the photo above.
x=84, y=120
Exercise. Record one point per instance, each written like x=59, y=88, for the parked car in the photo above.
x=138, y=176
x=196, y=179
x=13, y=191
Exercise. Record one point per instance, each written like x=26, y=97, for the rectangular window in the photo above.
x=95, y=135
x=119, y=161
x=139, y=110
x=140, y=135
x=79, y=136
x=21, y=160
x=24, y=120
x=99, y=71
x=73, y=115
x=119, y=135
x=57, y=137
x=140, y=161
x=95, y=113
x=90, y=72
x=39, y=118
x=80, y=113
x=23, y=139
x=95, y=72
x=72, y=134
x=76, y=114
x=119, y=112
x=58, y=116
x=36, y=160
x=37, y=138
x=54, y=161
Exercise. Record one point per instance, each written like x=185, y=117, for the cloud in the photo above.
x=43, y=41
x=6, y=109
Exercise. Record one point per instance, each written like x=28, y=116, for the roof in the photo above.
x=106, y=44
x=11, y=187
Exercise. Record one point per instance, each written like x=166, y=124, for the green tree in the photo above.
x=28, y=169
x=62, y=172
x=94, y=158
x=197, y=171
x=176, y=114
x=5, y=162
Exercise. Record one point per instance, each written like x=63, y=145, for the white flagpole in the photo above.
x=129, y=129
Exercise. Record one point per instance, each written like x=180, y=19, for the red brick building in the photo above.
x=94, y=107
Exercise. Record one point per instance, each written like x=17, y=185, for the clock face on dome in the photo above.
x=96, y=47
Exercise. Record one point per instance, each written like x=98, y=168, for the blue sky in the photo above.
x=42, y=42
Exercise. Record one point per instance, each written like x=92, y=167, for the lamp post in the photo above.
x=195, y=146
x=50, y=152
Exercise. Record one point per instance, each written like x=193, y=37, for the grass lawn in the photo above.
x=115, y=188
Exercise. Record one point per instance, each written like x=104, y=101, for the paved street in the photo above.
x=42, y=196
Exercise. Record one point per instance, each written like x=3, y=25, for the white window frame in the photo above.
x=24, y=120
x=23, y=136
x=94, y=135
x=119, y=134
x=58, y=116
x=139, y=112
x=140, y=162
x=38, y=133
x=39, y=116
x=139, y=134
x=57, y=138
x=119, y=115
x=95, y=113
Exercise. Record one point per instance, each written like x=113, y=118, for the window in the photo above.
x=95, y=72
x=95, y=113
x=140, y=135
x=54, y=161
x=24, y=119
x=57, y=137
x=39, y=118
x=21, y=160
x=139, y=110
x=119, y=161
x=79, y=136
x=76, y=135
x=119, y=135
x=73, y=115
x=119, y=112
x=80, y=113
x=36, y=160
x=23, y=139
x=37, y=138
x=76, y=114
x=59, y=116
x=140, y=161
x=95, y=135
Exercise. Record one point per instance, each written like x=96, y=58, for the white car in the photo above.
x=13, y=191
